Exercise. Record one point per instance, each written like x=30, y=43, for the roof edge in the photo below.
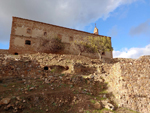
x=58, y=26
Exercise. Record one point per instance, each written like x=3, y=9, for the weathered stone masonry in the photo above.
x=34, y=32
x=129, y=80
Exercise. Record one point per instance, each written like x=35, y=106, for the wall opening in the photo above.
x=71, y=38
x=45, y=33
x=45, y=68
x=66, y=67
x=28, y=42
x=15, y=53
x=28, y=30
x=103, y=53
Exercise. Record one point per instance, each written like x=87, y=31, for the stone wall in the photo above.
x=17, y=45
x=33, y=64
x=129, y=80
x=4, y=51
x=17, y=66
x=23, y=29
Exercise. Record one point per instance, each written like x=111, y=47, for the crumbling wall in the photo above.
x=129, y=80
x=32, y=65
x=18, y=66
x=4, y=51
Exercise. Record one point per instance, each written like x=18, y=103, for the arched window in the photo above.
x=28, y=42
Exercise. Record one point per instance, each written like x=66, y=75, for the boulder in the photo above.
x=5, y=101
x=97, y=105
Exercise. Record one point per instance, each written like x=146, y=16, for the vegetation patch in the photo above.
x=53, y=45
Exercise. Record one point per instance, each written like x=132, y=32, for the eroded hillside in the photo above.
x=68, y=83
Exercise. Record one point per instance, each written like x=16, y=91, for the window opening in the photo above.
x=28, y=42
x=103, y=53
x=45, y=68
x=45, y=33
x=29, y=31
x=16, y=53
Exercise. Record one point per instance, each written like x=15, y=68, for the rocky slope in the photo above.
x=67, y=83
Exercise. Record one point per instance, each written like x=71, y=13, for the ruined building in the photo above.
x=27, y=37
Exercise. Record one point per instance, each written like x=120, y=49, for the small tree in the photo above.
x=95, y=45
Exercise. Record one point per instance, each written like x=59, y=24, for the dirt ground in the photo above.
x=32, y=95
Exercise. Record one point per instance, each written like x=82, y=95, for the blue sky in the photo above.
x=126, y=21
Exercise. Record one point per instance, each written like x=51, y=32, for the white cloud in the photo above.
x=68, y=13
x=132, y=52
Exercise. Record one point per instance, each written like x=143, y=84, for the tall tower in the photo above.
x=95, y=30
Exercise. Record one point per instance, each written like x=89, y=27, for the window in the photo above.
x=28, y=30
x=103, y=53
x=70, y=38
x=15, y=53
x=28, y=42
x=45, y=33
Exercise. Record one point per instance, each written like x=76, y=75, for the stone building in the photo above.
x=27, y=35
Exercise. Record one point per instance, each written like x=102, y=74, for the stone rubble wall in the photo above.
x=129, y=80
x=4, y=51
x=18, y=66
x=24, y=65
x=33, y=64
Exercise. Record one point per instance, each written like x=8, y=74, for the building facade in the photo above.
x=27, y=35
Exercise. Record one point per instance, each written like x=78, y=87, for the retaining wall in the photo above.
x=130, y=82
